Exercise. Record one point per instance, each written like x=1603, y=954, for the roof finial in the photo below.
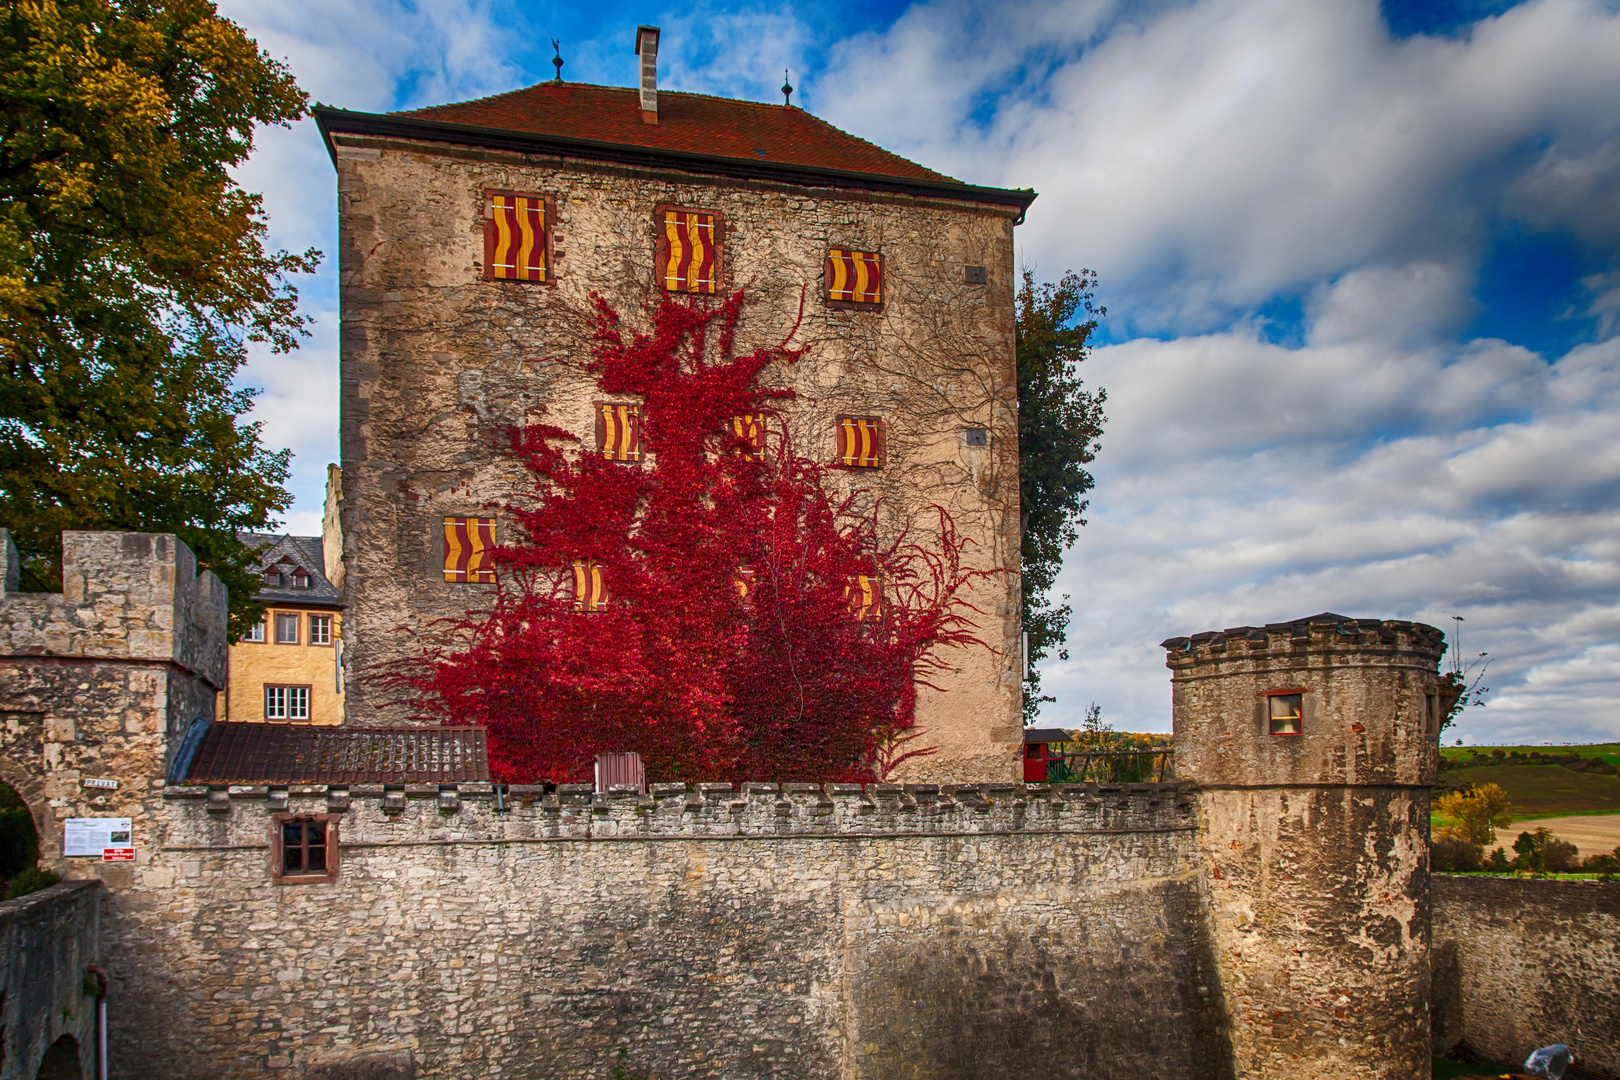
x=787, y=89
x=557, y=60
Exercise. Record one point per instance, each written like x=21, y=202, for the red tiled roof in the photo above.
x=687, y=123
x=300, y=754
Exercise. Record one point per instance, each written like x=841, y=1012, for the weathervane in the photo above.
x=787, y=89
x=557, y=60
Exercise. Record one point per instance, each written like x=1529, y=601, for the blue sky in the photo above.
x=1361, y=260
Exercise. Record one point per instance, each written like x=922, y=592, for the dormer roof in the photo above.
x=300, y=553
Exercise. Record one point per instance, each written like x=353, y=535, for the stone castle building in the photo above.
x=471, y=238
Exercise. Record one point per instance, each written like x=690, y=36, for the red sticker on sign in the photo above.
x=118, y=854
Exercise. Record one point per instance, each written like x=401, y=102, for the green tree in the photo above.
x=1059, y=423
x=133, y=277
x=1474, y=814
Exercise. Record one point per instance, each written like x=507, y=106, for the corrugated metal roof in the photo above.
x=1046, y=735
x=301, y=754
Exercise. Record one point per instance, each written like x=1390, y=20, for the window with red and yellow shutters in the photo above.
x=744, y=581
x=688, y=250
x=590, y=587
x=517, y=240
x=469, y=549
x=750, y=427
x=618, y=431
x=865, y=593
x=855, y=277
x=861, y=442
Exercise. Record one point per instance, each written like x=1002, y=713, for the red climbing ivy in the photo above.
x=785, y=683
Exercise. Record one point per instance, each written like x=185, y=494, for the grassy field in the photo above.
x=1543, y=790
x=1609, y=752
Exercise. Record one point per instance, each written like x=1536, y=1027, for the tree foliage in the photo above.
x=1474, y=814
x=133, y=275
x=730, y=648
x=1059, y=423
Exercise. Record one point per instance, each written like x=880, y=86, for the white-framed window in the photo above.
x=286, y=702
x=255, y=632
x=286, y=628
x=320, y=629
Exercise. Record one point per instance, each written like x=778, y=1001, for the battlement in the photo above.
x=1325, y=633
x=125, y=596
x=490, y=813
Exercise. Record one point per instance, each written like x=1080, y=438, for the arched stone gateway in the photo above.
x=61, y=1061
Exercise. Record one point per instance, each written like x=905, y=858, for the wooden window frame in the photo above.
x=309, y=703
x=333, y=850
x=1289, y=691
x=310, y=618
x=854, y=305
x=581, y=569
x=487, y=213
x=882, y=448
x=661, y=248
x=298, y=627
x=600, y=427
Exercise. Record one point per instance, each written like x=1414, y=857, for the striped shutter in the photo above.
x=618, y=431
x=855, y=277
x=865, y=593
x=861, y=442
x=469, y=549
x=744, y=581
x=515, y=238
x=590, y=587
x=690, y=247
x=750, y=427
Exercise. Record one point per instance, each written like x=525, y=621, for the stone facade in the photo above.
x=1316, y=844
x=438, y=363
x=985, y=931
x=48, y=941
x=1522, y=963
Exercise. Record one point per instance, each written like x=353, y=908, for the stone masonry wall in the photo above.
x=1523, y=963
x=437, y=364
x=799, y=932
x=47, y=941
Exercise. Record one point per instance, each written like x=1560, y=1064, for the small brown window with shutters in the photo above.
x=1286, y=711
x=304, y=848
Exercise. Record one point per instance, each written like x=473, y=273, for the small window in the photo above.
x=1287, y=713
x=255, y=632
x=469, y=549
x=854, y=279
x=865, y=594
x=862, y=442
x=286, y=703
x=590, y=586
x=975, y=436
x=272, y=576
x=618, y=431
x=1431, y=714
x=320, y=629
x=688, y=249
x=1033, y=751
x=750, y=428
x=286, y=628
x=976, y=275
x=517, y=242
x=744, y=582
x=300, y=578
x=305, y=848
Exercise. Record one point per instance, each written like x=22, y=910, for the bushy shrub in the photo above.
x=1454, y=855
x=1606, y=864
x=30, y=880
x=1542, y=852
x=1498, y=862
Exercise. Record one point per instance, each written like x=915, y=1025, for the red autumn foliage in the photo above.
x=786, y=683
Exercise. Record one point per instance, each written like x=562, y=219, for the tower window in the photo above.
x=305, y=848
x=1287, y=713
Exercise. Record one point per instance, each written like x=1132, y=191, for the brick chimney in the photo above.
x=647, y=49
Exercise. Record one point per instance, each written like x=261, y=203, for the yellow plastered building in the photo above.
x=289, y=668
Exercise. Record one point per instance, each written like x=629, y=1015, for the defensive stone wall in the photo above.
x=1521, y=963
x=48, y=940
x=103, y=679
x=799, y=931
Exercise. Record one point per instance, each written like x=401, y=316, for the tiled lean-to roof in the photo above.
x=695, y=132
x=300, y=754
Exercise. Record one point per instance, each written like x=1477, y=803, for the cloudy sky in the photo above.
x=1361, y=264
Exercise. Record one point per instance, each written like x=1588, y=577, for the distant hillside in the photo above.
x=1541, y=781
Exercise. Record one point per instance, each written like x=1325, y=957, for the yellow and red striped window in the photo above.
x=861, y=442
x=855, y=277
x=865, y=593
x=590, y=586
x=750, y=427
x=690, y=251
x=515, y=247
x=618, y=431
x=744, y=581
x=469, y=549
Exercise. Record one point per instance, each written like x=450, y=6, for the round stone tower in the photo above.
x=1314, y=745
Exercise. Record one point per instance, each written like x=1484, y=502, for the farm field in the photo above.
x=1609, y=752
x=1593, y=834
x=1543, y=791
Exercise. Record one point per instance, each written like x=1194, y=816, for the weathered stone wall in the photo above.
x=971, y=932
x=1520, y=963
x=47, y=941
x=437, y=363
x=102, y=680
x=1315, y=845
